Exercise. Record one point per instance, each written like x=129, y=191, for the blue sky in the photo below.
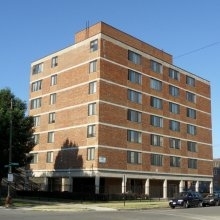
x=187, y=29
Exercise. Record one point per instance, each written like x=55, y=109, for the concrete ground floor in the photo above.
x=153, y=185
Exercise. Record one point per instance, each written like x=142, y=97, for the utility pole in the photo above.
x=10, y=175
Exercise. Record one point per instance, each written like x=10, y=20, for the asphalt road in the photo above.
x=207, y=213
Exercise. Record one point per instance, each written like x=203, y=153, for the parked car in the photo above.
x=212, y=199
x=186, y=200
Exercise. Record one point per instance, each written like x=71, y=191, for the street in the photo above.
x=208, y=213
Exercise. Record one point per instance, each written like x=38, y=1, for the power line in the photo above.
x=196, y=50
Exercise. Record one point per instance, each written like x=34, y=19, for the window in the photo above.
x=174, y=74
x=174, y=125
x=35, y=103
x=50, y=137
x=156, y=160
x=190, y=81
x=174, y=143
x=174, y=91
x=156, y=103
x=155, y=66
x=34, y=159
x=156, y=121
x=134, y=57
x=134, y=77
x=91, y=131
x=174, y=161
x=92, y=109
x=174, y=108
x=90, y=153
x=190, y=97
x=134, y=136
x=191, y=113
x=36, y=121
x=52, y=117
x=156, y=140
x=38, y=68
x=134, y=96
x=191, y=146
x=52, y=98
x=134, y=116
x=49, y=157
x=92, y=66
x=93, y=45
x=155, y=84
x=192, y=163
x=36, y=138
x=35, y=86
x=53, y=80
x=92, y=87
x=191, y=129
x=134, y=157
x=54, y=61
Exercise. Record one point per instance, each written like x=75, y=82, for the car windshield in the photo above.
x=182, y=194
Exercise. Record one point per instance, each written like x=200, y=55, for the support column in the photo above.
x=147, y=187
x=97, y=184
x=211, y=187
x=165, y=189
x=70, y=184
x=45, y=186
x=197, y=186
x=181, y=186
x=123, y=185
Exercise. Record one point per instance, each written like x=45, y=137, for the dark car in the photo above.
x=186, y=200
x=212, y=199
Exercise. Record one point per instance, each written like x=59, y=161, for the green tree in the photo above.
x=14, y=122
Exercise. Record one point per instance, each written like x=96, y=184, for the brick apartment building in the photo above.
x=113, y=114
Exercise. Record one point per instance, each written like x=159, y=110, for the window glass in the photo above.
x=134, y=57
x=156, y=140
x=190, y=81
x=91, y=153
x=93, y=45
x=190, y=97
x=174, y=74
x=174, y=125
x=156, y=121
x=191, y=129
x=35, y=86
x=134, y=136
x=174, y=161
x=134, y=116
x=92, y=87
x=156, y=84
x=174, y=143
x=174, y=108
x=191, y=113
x=156, y=160
x=93, y=66
x=53, y=80
x=134, y=77
x=38, y=68
x=174, y=91
x=91, y=132
x=50, y=137
x=156, y=67
x=92, y=109
x=52, y=117
x=54, y=61
x=156, y=103
x=134, y=157
x=134, y=96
